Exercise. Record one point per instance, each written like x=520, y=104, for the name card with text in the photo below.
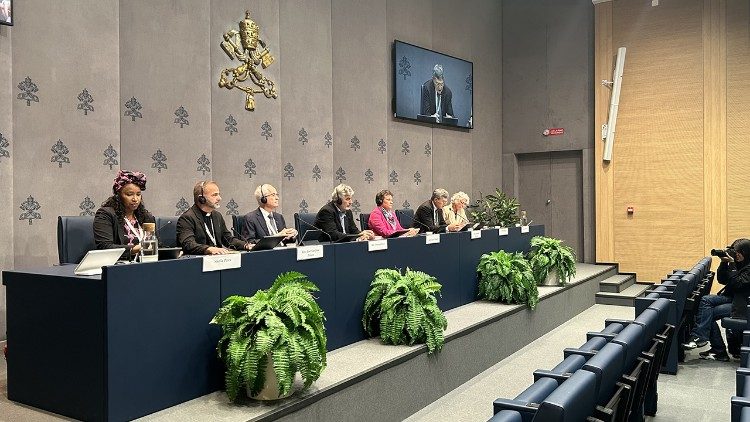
x=377, y=245
x=524, y=229
x=431, y=238
x=222, y=262
x=309, y=252
x=502, y=231
x=476, y=234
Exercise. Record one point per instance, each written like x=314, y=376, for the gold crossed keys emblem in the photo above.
x=246, y=46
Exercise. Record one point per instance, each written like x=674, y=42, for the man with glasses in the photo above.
x=264, y=221
x=437, y=99
x=429, y=215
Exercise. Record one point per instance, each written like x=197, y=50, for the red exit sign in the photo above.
x=554, y=131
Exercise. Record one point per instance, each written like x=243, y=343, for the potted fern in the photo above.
x=269, y=337
x=403, y=309
x=507, y=277
x=552, y=262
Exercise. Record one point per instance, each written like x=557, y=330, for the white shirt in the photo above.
x=271, y=229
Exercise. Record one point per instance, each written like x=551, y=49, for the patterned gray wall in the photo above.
x=134, y=84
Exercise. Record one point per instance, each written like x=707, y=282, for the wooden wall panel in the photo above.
x=738, y=118
x=659, y=146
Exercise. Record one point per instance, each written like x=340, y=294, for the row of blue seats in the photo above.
x=75, y=235
x=608, y=378
x=740, y=403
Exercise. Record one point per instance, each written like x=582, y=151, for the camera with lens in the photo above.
x=722, y=253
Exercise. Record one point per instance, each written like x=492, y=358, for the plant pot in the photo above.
x=270, y=390
x=552, y=279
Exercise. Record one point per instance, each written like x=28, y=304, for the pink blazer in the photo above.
x=380, y=225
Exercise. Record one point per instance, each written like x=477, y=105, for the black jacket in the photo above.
x=328, y=220
x=425, y=216
x=109, y=231
x=192, y=236
x=254, y=226
x=737, y=282
x=428, y=106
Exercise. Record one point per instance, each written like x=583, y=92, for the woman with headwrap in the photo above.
x=118, y=223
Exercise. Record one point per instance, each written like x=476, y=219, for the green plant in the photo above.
x=403, y=309
x=548, y=253
x=507, y=277
x=497, y=209
x=284, y=322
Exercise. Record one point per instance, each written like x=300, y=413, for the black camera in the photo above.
x=723, y=253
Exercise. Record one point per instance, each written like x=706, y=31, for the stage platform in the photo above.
x=368, y=381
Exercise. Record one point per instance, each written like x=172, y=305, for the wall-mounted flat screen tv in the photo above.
x=432, y=87
x=6, y=12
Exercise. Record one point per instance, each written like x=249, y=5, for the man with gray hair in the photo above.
x=264, y=221
x=336, y=219
x=437, y=98
x=429, y=216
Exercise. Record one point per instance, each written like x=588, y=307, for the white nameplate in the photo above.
x=221, y=262
x=431, y=238
x=309, y=252
x=502, y=231
x=524, y=229
x=476, y=234
x=377, y=245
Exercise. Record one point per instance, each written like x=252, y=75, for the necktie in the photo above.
x=342, y=217
x=272, y=225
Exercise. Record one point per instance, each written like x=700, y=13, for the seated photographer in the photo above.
x=734, y=274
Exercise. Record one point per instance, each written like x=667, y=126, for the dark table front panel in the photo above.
x=470, y=252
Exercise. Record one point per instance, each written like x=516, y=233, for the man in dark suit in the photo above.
x=429, y=215
x=201, y=229
x=437, y=98
x=336, y=219
x=263, y=221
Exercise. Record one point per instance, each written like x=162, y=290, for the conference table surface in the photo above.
x=137, y=339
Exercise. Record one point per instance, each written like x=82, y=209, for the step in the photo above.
x=623, y=298
x=617, y=283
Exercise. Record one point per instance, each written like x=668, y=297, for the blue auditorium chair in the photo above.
x=363, y=221
x=75, y=237
x=608, y=366
x=166, y=231
x=528, y=401
x=740, y=409
x=304, y=222
x=506, y=416
x=572, y=401
x=405, y=217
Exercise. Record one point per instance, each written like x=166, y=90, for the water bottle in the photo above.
x=149, y=244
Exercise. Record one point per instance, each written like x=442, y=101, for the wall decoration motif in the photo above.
x=134, y=109
x=265, y=130
x=250, y=168
x=28, y=89
x=405, y=148
x=303, y=207
x=355, y=143
x=87, y=207
x=403, y=67
x=288, y=171
x=232, y=207
x=30, y=207
x=182, y=117
x=85, y=102
x=356, y=207
x=328, y=140
x=203, y=163
x=369, y=176
x=302, y=136
x=316, y=173
x=427, y=149
x=406, y=205
x=340, y=175
x=231, y=125
x=393, y=177
x=110, y=155
x=60, y=151
x=182, y=206
x=4, y=144
x=417, y=178
x=247, y=47
x=159, y=161
x=382, y=146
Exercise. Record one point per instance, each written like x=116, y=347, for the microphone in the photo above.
x=429, y=229
x=158, y=230
x=314, y=228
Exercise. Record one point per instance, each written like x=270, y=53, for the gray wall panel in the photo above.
x=246, y=158
x=61, y=67
x=7, y=209
x=165, y=66
x=361, y=100
x=306, y=102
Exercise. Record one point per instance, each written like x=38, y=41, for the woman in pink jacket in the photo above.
x=383, y=221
